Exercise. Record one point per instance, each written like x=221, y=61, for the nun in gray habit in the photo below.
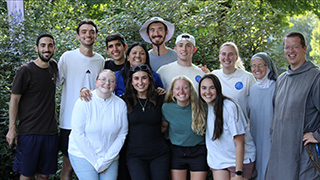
x=260, y=108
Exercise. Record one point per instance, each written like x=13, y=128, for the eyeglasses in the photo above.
x=107, y=80
x=140, y=67
x=258, y=65
x=294, y=47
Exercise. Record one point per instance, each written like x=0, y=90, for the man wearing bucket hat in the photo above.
x=157, y=31
x=185, y=47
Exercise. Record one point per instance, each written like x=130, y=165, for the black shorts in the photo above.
x=64, y=141
x=194, y=158
x=36, y=154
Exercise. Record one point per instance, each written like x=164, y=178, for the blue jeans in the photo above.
x=84, y=170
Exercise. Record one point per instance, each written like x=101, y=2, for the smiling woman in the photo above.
x=235, y=80
x=261, y=114
x=99, y=129
x=186, y=133
x=147, y=153
x=136, y=54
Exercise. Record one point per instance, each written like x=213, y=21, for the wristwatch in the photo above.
x=239, y=173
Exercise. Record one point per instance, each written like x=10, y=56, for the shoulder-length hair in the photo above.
x=131, y=98
x=126, y=67
x=198, y=126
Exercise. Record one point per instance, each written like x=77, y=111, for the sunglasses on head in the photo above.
x=140, y=67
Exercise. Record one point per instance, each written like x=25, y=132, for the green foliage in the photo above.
x=305, y=24
x=8, y=62
x=308, y=25
x=211, y=22
x=315, y=43
x=295, y=7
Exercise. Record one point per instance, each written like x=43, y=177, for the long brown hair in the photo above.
x=131, y=98
x=217, y=104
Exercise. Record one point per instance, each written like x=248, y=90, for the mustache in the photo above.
x=157, y=36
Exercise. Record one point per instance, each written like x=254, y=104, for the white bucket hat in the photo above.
x=143, y=29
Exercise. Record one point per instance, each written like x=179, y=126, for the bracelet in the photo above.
x=239, y=173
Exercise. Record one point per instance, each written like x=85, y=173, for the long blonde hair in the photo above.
x=239, y=63
x=198, y=124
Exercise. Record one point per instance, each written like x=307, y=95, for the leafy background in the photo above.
x=255, y=26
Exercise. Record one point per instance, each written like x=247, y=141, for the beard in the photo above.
x=44, y=59
x=157, y=42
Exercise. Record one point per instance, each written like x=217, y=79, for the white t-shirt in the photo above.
x=169, y=71
x=99, y=129
x=222, y=151
x=236, y=86
x=75, y=72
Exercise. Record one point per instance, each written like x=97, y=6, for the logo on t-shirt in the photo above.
x=197, y=78
x=238, y=85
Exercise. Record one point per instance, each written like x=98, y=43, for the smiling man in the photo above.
x=77, y=69
x=157, y=31
x=33, y=103
x=116, y=47
x=296, y=120
x=185, y=47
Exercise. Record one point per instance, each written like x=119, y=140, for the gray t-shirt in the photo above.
x=157, y=61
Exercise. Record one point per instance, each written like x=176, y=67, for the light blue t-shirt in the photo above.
x=180, y=120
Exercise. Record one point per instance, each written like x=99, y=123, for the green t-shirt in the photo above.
x=180, y=120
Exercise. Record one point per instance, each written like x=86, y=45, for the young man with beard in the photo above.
x=295, y=129
x=185, y=47
x=157, y=31
x=116, y=47
x=33, y=103
x=77, y=69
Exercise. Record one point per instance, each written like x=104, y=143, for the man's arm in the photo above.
x=13, y=111
x=314, y=137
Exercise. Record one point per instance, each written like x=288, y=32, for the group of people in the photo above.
x=155, y=115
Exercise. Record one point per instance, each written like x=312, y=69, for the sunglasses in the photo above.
x=140, y=67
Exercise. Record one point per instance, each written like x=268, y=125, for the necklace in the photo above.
x=143, y=106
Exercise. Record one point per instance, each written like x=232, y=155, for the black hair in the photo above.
x=126, y=67
x=296, y=34
x=87, y=21
x=115, y=36
x=44, y=35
